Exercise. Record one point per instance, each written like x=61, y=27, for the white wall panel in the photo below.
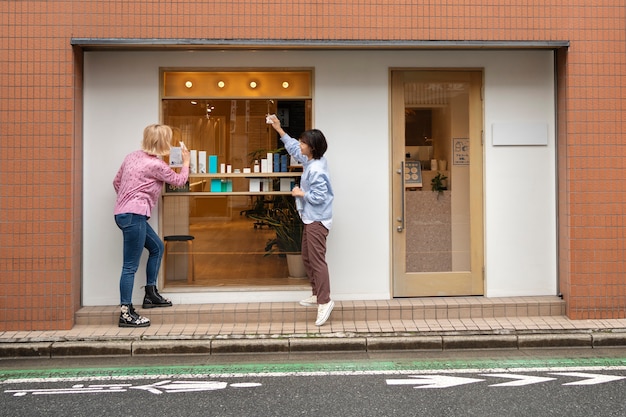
x=351, y=106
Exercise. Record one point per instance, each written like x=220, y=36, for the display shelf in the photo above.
x=203, y=180
x=249, y=175
x=224, y=193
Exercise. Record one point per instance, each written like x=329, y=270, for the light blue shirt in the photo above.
x=317, y=203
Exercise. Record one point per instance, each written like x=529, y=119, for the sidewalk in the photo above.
x=355, y=326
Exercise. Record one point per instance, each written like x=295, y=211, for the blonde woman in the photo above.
x=138, y=185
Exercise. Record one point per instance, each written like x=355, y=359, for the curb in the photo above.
x=300, y=344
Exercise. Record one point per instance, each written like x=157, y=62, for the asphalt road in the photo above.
x=486, y=383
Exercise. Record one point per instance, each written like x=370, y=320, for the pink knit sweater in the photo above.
x=139, y=182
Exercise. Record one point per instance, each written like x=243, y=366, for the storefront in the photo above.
x=482, y=119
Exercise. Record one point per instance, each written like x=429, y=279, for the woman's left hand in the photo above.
x=297, y=192
x=186, y=155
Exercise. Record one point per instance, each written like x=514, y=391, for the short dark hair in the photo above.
x=316, y=141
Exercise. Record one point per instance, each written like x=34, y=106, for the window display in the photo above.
x=240, y=175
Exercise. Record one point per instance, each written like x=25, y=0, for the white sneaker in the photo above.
x=323, y=312
x=309, y=302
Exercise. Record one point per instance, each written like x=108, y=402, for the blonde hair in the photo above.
x=157, y=139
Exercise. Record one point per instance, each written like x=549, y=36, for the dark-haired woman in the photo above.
x=314, y=199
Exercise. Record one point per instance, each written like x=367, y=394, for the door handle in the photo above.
x=400, y=219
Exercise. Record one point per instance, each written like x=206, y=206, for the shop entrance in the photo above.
x=437, y=183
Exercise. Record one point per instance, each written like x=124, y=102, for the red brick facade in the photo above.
x=40, y=121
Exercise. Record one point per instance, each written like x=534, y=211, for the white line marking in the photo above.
x=434, y=381
x=520, y=380
x=590, y=379
x=168, y=386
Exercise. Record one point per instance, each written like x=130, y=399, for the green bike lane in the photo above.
x=319, y=364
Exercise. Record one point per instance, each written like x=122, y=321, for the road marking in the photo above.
x=118, y=374
x=591, y=379
x=446, y=381
x=76, y=389
x=424, y=381
x=434, y=381
x=246, y=385
x=520, y=380
x=181, y=386
x=161, y=387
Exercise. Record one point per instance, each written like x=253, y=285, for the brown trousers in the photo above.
x=314, y=258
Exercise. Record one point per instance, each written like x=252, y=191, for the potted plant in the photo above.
x=284, y=218
x=438, y=184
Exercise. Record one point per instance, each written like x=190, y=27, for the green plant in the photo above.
x=437, y=183
x=284, y=218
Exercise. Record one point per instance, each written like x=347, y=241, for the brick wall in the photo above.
x=40, y=102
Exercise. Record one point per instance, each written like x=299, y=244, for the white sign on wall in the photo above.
x=520, y=134
x=460, y=151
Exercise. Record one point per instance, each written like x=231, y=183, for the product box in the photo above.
x=193, y=161
x=216, y=185
x=227, y=186
x=176, y=157
x=270, y=161
x=285, y=184
x=276, y=164
x=255, y=185
x=212, y=164
x=202, y=162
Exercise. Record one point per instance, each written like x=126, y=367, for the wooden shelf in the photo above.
x=225, y=193
x=249, y=175
x=197, y=179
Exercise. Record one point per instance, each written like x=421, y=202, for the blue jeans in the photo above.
x=138, y=234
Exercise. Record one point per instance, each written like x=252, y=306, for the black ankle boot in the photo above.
x=154, y=299
x=130, y=318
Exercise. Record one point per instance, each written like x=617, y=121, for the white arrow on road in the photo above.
x=591, y=379
x=181, y=386
x=433, y=381
x=520, y=380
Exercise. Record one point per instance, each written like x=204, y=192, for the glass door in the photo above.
x=437, y=183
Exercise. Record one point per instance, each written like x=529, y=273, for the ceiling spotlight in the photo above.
x=221, y=84
x=253, y=84
x=285, y=84
x=194, y=102
x=188, y=84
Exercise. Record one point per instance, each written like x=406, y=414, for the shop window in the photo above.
x=220, y=116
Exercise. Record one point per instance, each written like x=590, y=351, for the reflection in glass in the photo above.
x=229, y=245
x=437, y=214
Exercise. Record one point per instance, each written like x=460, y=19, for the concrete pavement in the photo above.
x=365, y=326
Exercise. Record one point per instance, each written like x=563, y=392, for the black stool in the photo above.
x=181, y=238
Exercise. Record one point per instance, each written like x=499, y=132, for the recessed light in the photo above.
x=188, y=84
